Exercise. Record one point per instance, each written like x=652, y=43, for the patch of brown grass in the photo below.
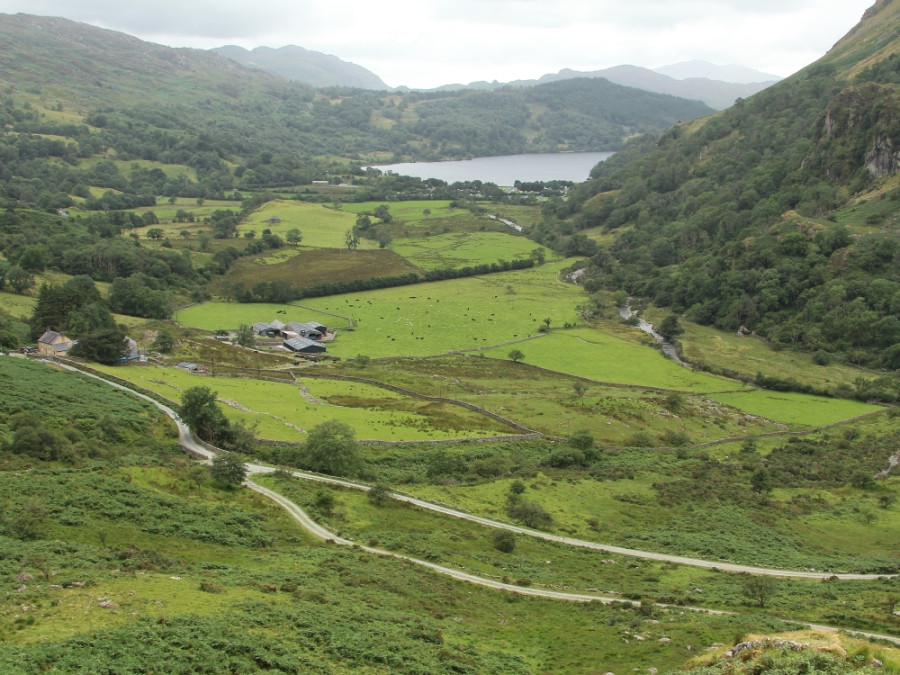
x=309, y=268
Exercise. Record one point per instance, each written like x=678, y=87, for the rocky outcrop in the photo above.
x=882, y=159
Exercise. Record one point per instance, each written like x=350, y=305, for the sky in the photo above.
x=428, y=43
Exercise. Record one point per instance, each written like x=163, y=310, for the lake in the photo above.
x=507, y=169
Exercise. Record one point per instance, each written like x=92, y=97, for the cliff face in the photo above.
x=861, y=128
x=882, y=159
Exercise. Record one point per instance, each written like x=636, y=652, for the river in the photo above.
x=506, y=169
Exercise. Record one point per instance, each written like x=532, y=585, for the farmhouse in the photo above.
x=52, y=343
x=302, y=345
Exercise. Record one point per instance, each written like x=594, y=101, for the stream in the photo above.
x=667, y=347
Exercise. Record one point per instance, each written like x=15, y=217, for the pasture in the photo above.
x=320, y=226
x=469, y=546
x=421, y=319
x=548, y=402
x=462, y=248
x=599, y=356
x=799, y=410
x=750, y=355
x=285, y=412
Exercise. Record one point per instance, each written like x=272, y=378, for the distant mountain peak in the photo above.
x=710, y=71
x=306, y=66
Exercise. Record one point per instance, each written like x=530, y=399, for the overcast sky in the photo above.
x=427, y=43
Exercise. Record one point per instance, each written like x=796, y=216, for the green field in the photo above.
x=750, y=355
x=284, y=412
x=599, y=356
x=422, y=319
x=17, y=305
x=320, y=227
x=463, y=248
x=795, y=409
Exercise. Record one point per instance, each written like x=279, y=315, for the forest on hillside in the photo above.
x=769, y=217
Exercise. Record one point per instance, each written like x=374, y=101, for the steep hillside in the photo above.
x=779, y=214
x=305, y=66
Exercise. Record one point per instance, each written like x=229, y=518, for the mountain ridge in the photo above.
x=313, y=68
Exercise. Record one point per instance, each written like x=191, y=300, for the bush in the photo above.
x=379, y=494
x=822, y=358
x=530, y=514
x=565, y=457
x=504, y=541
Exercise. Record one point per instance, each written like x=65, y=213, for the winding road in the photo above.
x=197, y=449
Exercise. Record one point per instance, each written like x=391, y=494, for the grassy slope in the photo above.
x=133, y=545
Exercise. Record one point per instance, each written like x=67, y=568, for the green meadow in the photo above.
x=462, y=248
x=795, y=409
x=749, y=355
x=284, y=412
x=547, y=401
x=599, y=356
x=320, y=226
x=421, y=319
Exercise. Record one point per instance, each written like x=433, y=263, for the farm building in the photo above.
x=302, y=345
x=303, y=330
x=52, y=343
x=188, y=366
x=265, y=329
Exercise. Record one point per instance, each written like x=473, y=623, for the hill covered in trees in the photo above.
x=779, y=214
x=76, y=97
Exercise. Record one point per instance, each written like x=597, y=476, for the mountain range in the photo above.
x=717, y=86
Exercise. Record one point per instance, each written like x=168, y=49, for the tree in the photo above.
x=379, y=494
x=155, y=233
x=19, y=280
x=103, y=345
x=582, y=440
x=761, y=481
x=34, y=258
x=351, y=240
x=383, y=213
x=244, y=336
x=164, y=341
x=516, y=355
x=202, y=414
x=293, y=236
x=228, y=469
x=331, y=448
x=759, y=588
x=383, y=236
x=670, y=328
x=538, y=255
x=580, y=389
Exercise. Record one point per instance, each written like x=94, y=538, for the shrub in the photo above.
x=504, y=541
x=530, y=514
x=565, y=457
x=379, y=494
